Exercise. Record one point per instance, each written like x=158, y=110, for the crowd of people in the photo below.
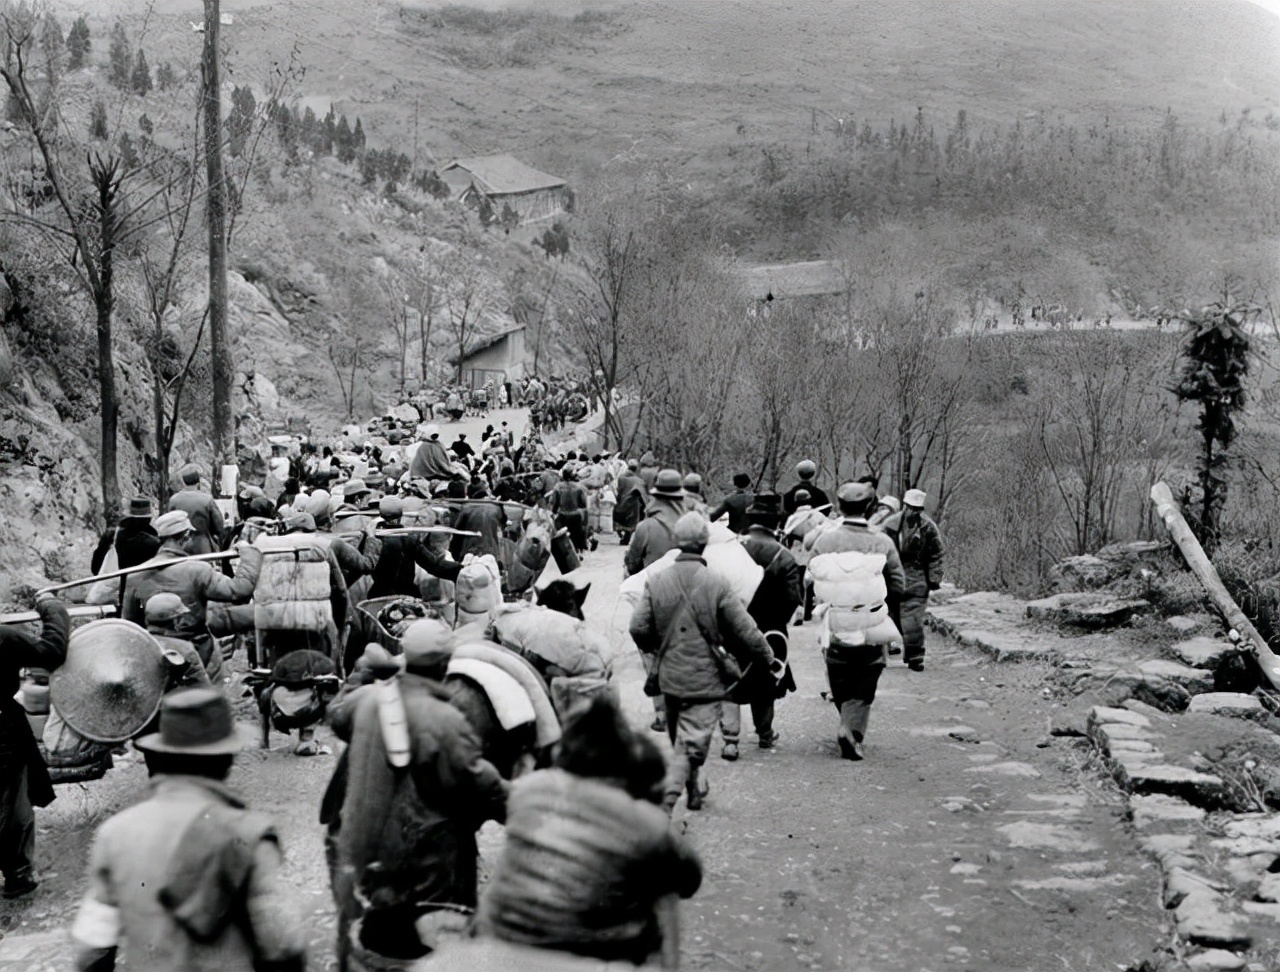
x=189, y=878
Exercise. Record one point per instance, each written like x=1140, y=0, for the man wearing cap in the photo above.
x=24, y=779
x=806, y=470
x=405, y=837
x=780, y=592
x=188, y=878
x=853, y=672
x=735, y=504
x=164, y=616
x=196, y=582
x=694, y=627
x=693, y=501
x=201, y=509
x=887, y=506
x=919, y=543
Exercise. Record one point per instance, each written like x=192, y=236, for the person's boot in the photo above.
x=306, y=745
x=20, y=884
x=659, y=723
x=850, y=747
x=769, y=739
x=696, y=788
x=730, y=751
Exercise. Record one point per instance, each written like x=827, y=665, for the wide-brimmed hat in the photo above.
x=891, y=502
x=198, y=722
x=111, y=683
x=139, y=508
x=173, y=524
x=353, y=487
x=806, y=469
x=668, y=482
x=693, y=483
x=914, y=497
x=766, y=508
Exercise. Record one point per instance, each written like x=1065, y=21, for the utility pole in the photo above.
x=219, y=340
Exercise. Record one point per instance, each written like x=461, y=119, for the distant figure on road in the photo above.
x=919, y=543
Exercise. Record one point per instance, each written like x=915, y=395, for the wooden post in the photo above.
x=216, y=211
x=1204, y=570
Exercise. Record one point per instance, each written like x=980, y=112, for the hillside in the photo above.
x=738, y=118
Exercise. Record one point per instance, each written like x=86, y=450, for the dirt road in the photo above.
x=969, y=838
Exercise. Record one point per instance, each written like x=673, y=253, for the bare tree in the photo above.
x=468, y=296
x=85, y=213
x=609, y=252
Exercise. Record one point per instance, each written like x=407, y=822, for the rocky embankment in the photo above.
x=1177, y=714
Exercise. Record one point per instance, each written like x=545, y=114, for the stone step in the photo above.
x=1090, y=610
x=1202, y=651
x=993, y=623
x=1234, y=704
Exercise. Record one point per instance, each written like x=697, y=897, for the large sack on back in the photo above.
x=293, y=587
x=552, y=638
x=478, y=588
x=727, y=560
x=884, y=633
x=848, y=579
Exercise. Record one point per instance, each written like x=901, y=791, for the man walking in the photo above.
x=201, y=509
x=853, y=671
x=919, y=544
x=806, y=470
x=735, y=504
x=187, y=879
x=781, y=591
x=24, y=780
x=700, y=637
x=405, y=835
x=651, y=540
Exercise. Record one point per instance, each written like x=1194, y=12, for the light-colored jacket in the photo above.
x=178, y=845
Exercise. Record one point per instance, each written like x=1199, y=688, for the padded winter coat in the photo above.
x=418, y=823
x=920, y=547
x=681, y=608
x=653, y=537
x=205, y=516
x=583, y=868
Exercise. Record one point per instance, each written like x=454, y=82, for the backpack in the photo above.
x=293, y=587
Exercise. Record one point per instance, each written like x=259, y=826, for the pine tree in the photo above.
x=120, y=57
x=128, y=154
x=358, y=135
x=98, y=121
x=166, y=78
x=329, y=132
x=140, y=80
x=78, y=43
x=344, y=141
x=52, y=42
x=146, y=126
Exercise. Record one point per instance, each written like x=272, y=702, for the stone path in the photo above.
x=1191, y=762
